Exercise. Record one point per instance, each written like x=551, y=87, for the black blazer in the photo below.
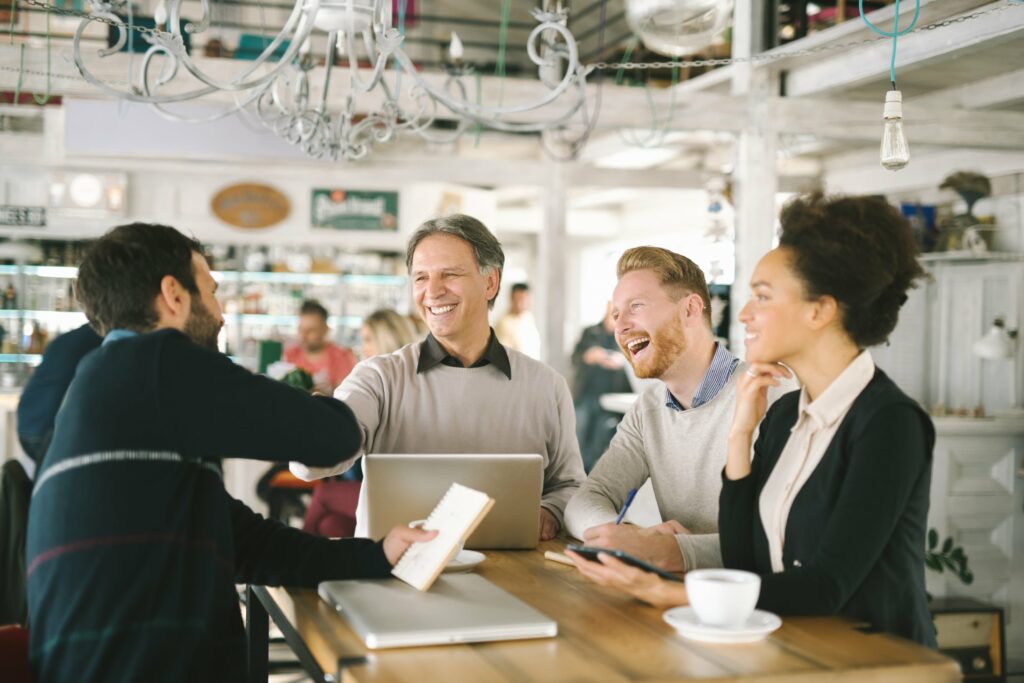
x=855, y=535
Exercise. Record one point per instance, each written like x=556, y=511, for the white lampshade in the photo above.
x=997, y=343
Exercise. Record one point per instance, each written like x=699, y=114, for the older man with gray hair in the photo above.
x=460, y=390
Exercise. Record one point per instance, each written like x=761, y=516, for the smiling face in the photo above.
x=449, y=291
x=648, y=323
x=778, y=316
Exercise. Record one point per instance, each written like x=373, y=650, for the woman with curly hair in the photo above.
x=831, y=511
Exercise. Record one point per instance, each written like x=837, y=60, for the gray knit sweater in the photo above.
x=464, y=410
x=682, y=453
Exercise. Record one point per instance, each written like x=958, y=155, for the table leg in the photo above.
x=257, y=633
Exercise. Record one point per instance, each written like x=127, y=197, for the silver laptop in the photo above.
x=462, y=608
x=400, y=488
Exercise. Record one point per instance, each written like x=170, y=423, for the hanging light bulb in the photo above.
x=895, y=151
x=455, y=48
x=160, y=13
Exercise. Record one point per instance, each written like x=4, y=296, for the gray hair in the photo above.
x=486, y=247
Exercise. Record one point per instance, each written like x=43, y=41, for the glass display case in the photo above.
x=37, y=300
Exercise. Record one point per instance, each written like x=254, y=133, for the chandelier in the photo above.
x=678, y=27
x=384, y=99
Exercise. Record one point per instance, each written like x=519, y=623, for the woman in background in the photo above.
x=385, y=331
x=831, y=512
x=332, y=511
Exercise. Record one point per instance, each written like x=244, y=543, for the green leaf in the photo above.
x=958, y=553
x=947, y=545
x=933, y=563
x=933, y=539
x=967, y=577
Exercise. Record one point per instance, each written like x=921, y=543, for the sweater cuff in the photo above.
x=370, y=563
x=734, y=484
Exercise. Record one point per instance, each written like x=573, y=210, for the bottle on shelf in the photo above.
x=10, y=297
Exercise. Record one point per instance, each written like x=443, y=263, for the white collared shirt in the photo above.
x=816, y=425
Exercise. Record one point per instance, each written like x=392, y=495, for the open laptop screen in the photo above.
x=403, y=487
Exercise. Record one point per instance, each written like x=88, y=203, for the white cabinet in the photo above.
x=976, y=494
x=977, y=498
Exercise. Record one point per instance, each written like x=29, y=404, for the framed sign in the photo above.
x=250, y=205
x=29, y=216
x=354, y=210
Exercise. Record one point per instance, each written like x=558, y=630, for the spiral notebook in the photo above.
x=455, y=518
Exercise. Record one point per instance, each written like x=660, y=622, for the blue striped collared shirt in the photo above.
x=722, y=366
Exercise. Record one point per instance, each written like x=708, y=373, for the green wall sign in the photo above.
x=355, y=210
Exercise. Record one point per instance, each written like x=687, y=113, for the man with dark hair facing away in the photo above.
x=134, y=546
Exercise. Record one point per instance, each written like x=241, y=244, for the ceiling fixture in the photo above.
x=678, y=27
x=379, y=102
x=895, y=152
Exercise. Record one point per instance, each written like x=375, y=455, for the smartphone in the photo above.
x=592, y=553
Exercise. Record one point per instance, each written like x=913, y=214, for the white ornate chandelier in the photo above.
x=282, y=96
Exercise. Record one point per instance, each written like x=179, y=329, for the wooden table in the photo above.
x=603, y=636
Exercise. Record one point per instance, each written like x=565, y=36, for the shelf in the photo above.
x=968, y=256
x=291, y=320
x=322, y=279
x=62, y=316
x=30, y=358
x=67, y=272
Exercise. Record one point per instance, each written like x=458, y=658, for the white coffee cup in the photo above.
x=418, y=524
x=723, y=597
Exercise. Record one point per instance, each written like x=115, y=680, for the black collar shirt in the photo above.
x=433, y=354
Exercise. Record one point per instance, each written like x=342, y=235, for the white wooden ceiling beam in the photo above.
x=871, y=62
x=995, y=91
x=847, y=31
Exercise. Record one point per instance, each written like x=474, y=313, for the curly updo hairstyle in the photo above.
x=858, y=250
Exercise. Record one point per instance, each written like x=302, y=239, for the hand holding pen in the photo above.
x=625, y=505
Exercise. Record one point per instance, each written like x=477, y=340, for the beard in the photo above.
x=201, y=326
x=667, y=343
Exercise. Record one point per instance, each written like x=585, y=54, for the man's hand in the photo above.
x=595, y=355
x=400, y=538
x=655, y=545
x=613, y=361
x=548, y=525
x=645, y=586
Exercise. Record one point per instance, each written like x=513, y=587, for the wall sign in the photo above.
x=32, y=216
x=355, y=210
x=250, y=205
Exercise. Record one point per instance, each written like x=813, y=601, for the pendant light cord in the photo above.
x=894, y=34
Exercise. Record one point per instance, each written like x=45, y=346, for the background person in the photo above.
x=517, y=328
x=384, y=331
x=832, y=511
x=332, y=511
x=42, y=396
x=598, y=368
x=327, y=362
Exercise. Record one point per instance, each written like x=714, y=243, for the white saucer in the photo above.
x=464, y=561
x=756, y=627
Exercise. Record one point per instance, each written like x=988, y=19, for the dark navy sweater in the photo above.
x=46, y=387
x=134, y=546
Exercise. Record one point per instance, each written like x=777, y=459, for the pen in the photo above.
x=625, y=506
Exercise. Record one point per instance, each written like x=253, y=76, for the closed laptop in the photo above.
x=460, y=608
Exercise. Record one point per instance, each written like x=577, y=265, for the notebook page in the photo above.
x=454, y=518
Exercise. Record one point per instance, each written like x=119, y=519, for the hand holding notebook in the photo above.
x=455, y=518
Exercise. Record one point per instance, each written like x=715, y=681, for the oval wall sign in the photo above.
x=250, y=205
